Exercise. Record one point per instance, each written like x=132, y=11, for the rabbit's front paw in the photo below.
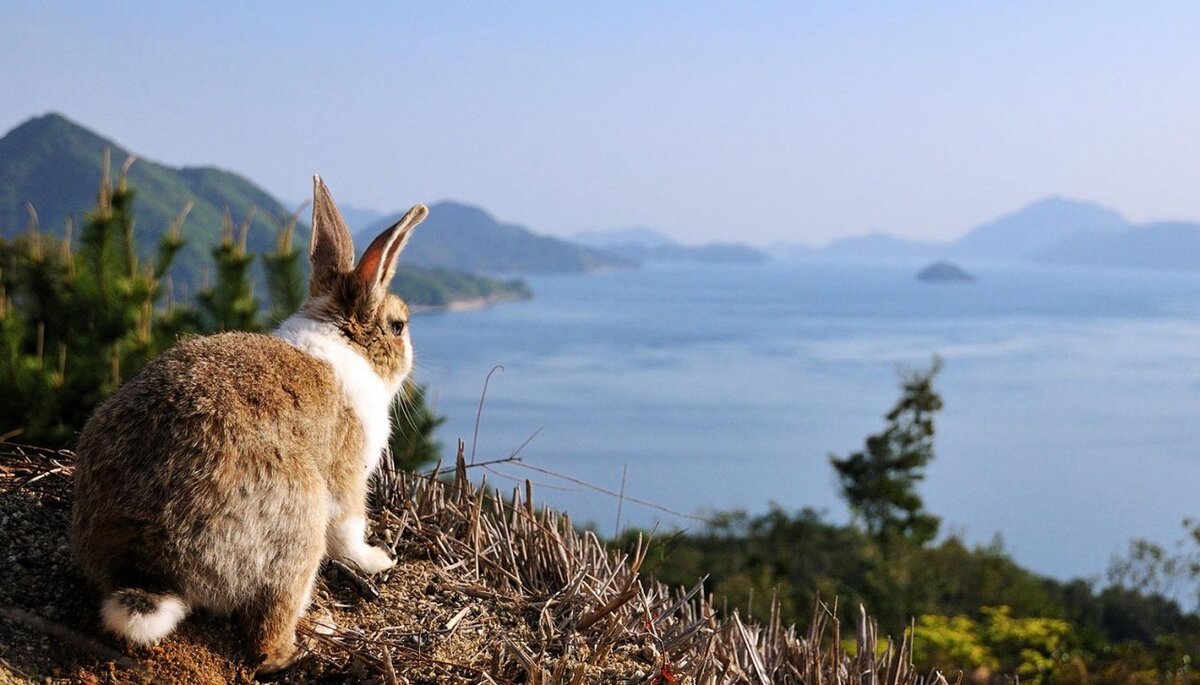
x=371, y=559
x=276, y=660
x=348, y=545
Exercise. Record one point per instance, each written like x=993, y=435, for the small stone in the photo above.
x=325, y=625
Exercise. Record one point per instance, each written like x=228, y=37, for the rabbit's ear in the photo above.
x=378, y=264
x=331, y=250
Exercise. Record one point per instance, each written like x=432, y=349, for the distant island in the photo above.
x=642, y=244
x=944, y=272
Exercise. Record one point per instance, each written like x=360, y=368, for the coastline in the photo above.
x=469, y=304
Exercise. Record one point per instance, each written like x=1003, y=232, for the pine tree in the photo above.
x=285, y=273
x=77, y=321
x=879, y=483
x=229, y=304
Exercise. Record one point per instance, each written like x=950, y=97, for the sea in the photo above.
x=656, y=397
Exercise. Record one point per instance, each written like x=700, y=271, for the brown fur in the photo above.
x=364, y=322
x=221, y=473
x=217, y=489
x=358, y=302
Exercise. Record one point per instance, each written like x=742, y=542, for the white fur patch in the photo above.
x=349, y=544
x=143, y=629
x=369, y=395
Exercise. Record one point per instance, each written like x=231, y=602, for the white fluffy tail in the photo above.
x=141, y=617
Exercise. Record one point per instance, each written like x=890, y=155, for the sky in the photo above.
x=761, y=122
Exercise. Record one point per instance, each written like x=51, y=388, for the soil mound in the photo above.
x=486, y=589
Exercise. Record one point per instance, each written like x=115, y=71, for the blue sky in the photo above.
x=763, y=122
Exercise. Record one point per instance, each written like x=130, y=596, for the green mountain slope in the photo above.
x=460, y=236
x=55, y=165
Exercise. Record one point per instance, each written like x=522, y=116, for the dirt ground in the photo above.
x=486, y=589
x=438, y=625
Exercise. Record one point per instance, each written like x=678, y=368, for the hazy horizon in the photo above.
x=764, y=123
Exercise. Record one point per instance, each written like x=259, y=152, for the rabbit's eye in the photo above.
x=397, y=327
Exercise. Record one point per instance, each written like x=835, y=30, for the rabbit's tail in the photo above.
x=143, y=617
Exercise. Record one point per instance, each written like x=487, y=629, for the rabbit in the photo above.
x=221, y=475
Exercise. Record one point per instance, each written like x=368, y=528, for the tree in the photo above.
x=229, y=303
x=1034, y=648
x=284, y=270
x=1149, y=568
x=76, y=320
x=879, y=483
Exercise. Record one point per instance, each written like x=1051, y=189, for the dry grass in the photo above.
x=486, y=589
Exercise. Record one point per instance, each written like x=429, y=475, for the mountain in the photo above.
x=465, y=237
x=1022, y=235
x=1159, y=245
x=641, y=244
x=56, y=165
x=711, y=253
x=357, y=218
x=1036, y=228
x=621, y=237
x=881, y=246
x=782, y=249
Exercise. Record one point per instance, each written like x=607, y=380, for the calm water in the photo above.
x=1072, y=419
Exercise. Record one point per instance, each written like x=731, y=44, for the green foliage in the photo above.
x=77, y=320
x=976, y=609
x=229, y=304
x=1150, y=568
x=1032, y=648
x=879, y=483
x=951, y=643
x=285, y=272
x=805, y=557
